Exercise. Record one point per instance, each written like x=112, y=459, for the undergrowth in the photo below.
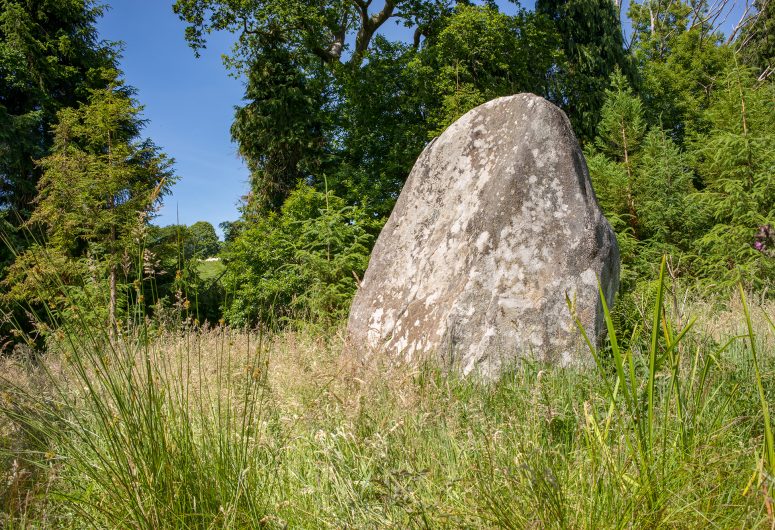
x=221, y=428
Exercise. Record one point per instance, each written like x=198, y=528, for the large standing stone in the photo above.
x=495, y=225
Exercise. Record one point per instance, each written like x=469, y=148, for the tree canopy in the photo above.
x=675, y=120
x=334, y=31
x=50, y=59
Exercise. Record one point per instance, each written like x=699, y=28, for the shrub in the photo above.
x=304, y=261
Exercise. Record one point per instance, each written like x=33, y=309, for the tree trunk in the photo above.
x=112, y=302
x=369, y=26
x=630, y=199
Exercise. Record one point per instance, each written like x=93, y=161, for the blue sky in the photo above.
x=189, y=104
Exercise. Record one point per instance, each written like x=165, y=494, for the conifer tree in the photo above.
x=662, y=186
x=303, y=261
x=593, y=46
x=280, y=128
x=99, y=186
x=620, y=133
x=735, y=160
x=50, y=57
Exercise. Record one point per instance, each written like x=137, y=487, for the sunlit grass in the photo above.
x=220, y=428
x=210, y=270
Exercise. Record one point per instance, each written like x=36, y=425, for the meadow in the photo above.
x=217, y=427
x=155, y=376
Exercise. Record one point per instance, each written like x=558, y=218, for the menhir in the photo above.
x=496, y=227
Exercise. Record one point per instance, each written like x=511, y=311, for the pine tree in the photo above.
x=50, y=57
x=662, y=186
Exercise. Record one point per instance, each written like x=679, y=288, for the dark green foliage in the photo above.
x=679, y=60
x=678, y=138
x=358, y=121
x=613, y=166
x=676, y=86
x=363, y=127
x=280, y=128
x=663, y=185
x=474, y=58
x=359, y=130
x=704, y=204
x=621, y=127
x=610, y=181
x=402, y=96
x=301, y=262
x=642, y=180
x=50, y=58
x=593, y=47
x=758, y=39
x=382, y=123
x=655, y=27
x=202, y=241
x=322, y=28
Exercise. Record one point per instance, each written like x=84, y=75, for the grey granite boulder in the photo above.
x=496, y=224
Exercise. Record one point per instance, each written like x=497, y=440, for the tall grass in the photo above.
x=221, y=428
x=142, y=436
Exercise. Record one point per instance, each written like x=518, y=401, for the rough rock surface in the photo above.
x=495, y=225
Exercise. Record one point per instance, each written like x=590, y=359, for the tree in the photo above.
x=662, y=186
x=174, y=276
x=319, y=27
x=620, y=131
x=50, y=59
x=381, y=125
x=280, y=129
x=479, y=54
x=360, y=129
x=655, y=26
x=203, y=240
x=757, y=40
x=593, y=47
x=734, y=160
x=324, y=122
x=680, y=55
x=98, y=189
x=303, y=261
x=230, y=230
x=643, y=183
x=306, y=63
x=676, y=90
